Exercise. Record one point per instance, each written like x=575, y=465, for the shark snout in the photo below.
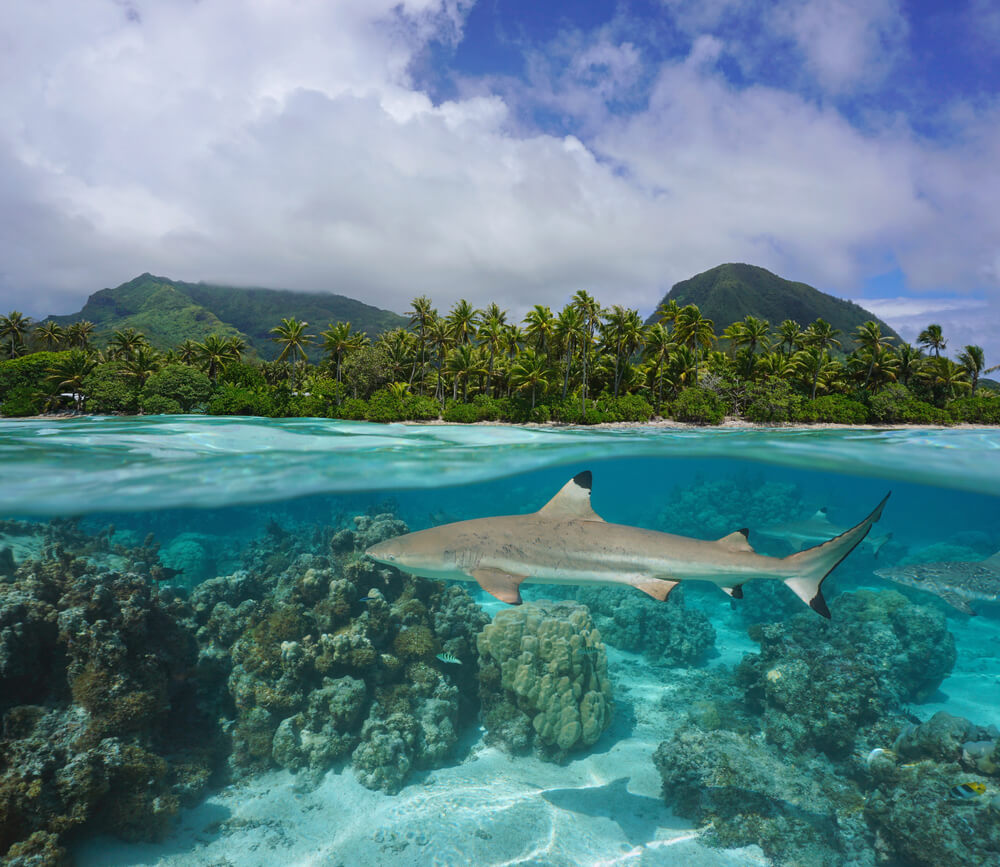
x=381, y=551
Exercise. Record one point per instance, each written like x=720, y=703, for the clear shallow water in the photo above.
x=221, y=495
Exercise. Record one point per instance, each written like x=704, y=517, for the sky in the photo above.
x=506, y=150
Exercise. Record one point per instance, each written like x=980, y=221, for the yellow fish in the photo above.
x=965, y=791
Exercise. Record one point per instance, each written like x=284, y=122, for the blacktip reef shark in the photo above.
x=567, y=542
x=959, y=583
x=805, y=532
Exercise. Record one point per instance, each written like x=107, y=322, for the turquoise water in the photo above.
x=264, y=500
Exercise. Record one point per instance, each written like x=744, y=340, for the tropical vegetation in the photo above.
x=582, y=365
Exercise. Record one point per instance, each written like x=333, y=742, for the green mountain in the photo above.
x=727, y=293
x=169, y=311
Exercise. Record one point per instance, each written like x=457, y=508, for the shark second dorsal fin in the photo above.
x=573, y=500
x=736, y=541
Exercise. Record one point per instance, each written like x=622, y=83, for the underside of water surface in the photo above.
x=200, y=665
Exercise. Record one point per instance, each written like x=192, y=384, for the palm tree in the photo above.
x=932, y=338
x=814, y=361
x=539, y=326
x=124, y=343
x=659, y=345
x=14, y=327
x=821, y=334
x=909, y=358
x=188, y=351
x=682, y=367
x=694, y=331
x=791, y=335
x=870, y=337
x=567, y=331
x=338, y=341
x=215, y=353
x=530, y=371
x=944, y=377
x=50, y=334
x=622, y=333
x=143, y=361
x=69, y=372
x=491, y=334
x=79, y=333
x=666, y=313
x=462, y=321
x=292, y=337
x=463, y=362
x=400, y=349
x=440, y=339
x=237, y=346
x=421, y=314
x=590, y=313
x=973, y=360
x=777, y=364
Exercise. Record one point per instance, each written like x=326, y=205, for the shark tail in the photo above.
x=811, y=566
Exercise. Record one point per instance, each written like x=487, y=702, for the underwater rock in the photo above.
x=799, y=812
x=916, y=818
x=817, y=683
x=947, y=738
x=664, y=631
x=191, y=555
x=544, y=679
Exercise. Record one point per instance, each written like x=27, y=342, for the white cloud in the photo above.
x=844, y=43
x=285, y=144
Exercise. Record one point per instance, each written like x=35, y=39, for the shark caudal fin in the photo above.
x=811, y=566
x=878, y=542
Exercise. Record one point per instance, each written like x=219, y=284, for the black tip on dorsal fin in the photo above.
x=584, y=480
x=822, y=510
x=745, y=531
x=737, y=592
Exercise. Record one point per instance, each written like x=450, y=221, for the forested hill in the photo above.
x=727, y=293
x=170, y=311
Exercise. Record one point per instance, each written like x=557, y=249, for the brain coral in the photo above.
x=544, y=678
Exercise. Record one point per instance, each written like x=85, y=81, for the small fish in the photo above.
x=449, y=657
x=590, y=651
x=371, y=597
x=966, y=791
x=878, y=752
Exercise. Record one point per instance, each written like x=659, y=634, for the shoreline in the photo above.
x=729, y=423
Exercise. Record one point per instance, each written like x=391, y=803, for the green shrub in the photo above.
x=239, y=400
x=22, y=401
x=385, y=407
x=350, y=409
x=244, y=374
x=771, y=401
x=418, y=407
x=699, y=405
x=833, y=409
x=28, y=371
x=186, y=386
x=896, y=404
x=109, y=389
x=158, y=404
x=460, y=413
x=627, y=407
x=981, y=409
x=540, y=415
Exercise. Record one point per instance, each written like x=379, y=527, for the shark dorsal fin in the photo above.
x=821, y=515
x=993, y=562
x=736, y=541
x=572, y=501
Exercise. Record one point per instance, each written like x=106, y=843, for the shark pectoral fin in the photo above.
x=505, y=586
x=993, y=562
x=573, y=500
x=736, y=541
x=658, y=588
x=956, y=601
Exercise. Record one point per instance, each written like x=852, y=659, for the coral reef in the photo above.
x=796, y=771
x=334, y=656
x=664, y=631
x=544, y=679
x=101, y=723
x=817, y=683
x=799, y=813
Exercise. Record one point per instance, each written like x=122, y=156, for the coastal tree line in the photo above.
x=583, y=364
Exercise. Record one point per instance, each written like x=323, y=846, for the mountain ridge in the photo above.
x=729, y=292
x=168, y=311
